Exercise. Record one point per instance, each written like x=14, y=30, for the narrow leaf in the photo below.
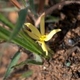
x=6, y=21
x=28, y=61
x=20, y=22
x=34, y=62
x=12, y=63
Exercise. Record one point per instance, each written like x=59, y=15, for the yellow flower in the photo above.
x=40, y=36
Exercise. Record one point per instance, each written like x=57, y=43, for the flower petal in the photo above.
x=33, y=29
x=42, y=26
x=44, y=47
x=32, y=35
x=50, y=35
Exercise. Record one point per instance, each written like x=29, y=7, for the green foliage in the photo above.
x=30, y=44
x=12, y=63
x=4, y=20
x=15, y=34
x=22, y=38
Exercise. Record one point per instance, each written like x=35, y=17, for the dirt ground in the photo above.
x=65, y=62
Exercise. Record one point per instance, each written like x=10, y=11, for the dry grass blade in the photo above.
x=16, y=3
x=38, y=20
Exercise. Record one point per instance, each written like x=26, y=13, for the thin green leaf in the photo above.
x=31, y=42
x=12, y=63
x=20, y=22
x=34, y=62
x=28, y=61
x=4, y=34
x=6, y=21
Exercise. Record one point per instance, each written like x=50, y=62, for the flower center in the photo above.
x=42, y=38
